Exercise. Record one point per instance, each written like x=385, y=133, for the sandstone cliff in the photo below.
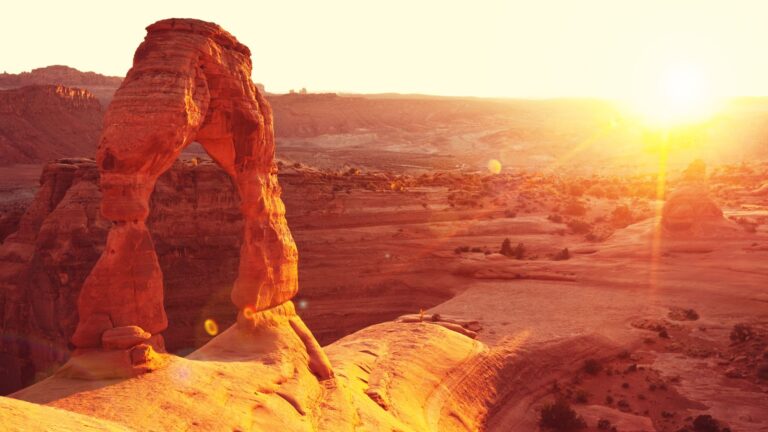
x=41, y=122
x=195, y=223
x=100, y=85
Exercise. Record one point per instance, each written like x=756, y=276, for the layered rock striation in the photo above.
x=203, y=92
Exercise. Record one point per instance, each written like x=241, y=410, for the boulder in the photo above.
x=124, y=337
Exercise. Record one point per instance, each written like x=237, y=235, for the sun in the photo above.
x=676, y=96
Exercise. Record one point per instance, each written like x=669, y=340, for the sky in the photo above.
x=530, y=49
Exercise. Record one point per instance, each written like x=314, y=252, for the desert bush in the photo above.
x=592, y=366
x=519, y=251
x=605, y=424
x=705, y=423
x=596, y=191
x=559, y=416
x=621, y=217
x=563, y=255
x=461, y=249
x=576, y=189
x=506, y=248
x=762, y=371
x=682, y=314
x=556, y=218
x=578, y=226
x=742, y=332
x=581, y=396
x=575, y=208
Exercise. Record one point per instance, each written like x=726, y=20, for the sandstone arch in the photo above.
x=190, y=81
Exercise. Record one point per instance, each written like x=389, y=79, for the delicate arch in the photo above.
x=190, y=81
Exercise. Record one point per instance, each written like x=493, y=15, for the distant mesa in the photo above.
x=41, y=122
x=64, y=75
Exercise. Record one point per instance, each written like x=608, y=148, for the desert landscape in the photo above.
x=183, y=249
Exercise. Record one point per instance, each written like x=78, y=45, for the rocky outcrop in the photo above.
x=102, y=86
x=689, y=210
x=392, y=376
x=196, y=226
x=203, y=93
x=195, y=223
x=44, y=122
x=58, y=74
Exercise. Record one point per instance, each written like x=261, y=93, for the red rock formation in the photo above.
x=58, y=74
x=689, y=209
x=39, y=123
x=102, y=86
x=196, y=226
x=202, y=92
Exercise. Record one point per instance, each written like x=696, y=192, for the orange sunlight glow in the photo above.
x=682, y=94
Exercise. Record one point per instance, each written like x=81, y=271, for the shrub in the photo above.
x=705, y=423
x=742, y=333
x=578, y=226
x=592, y=366
x=559, y=416
x=762, y=371
x=581, y=396
x=562, y=255
x=576, y=189
x=604, y=424
x=682, y=314
x=574, y=208
x=519, y=251
x=556, y=218
x=506, y=248
x=621, y=217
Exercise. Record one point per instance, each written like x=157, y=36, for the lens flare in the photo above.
x=494, y=166
x=211, y=327
x=248, y=312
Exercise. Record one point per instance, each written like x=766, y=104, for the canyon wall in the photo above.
x=196, y=227
x=41, y=122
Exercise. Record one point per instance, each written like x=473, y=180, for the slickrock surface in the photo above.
x=202, y=92
x=409, y=377
x=20, y=416
x=41, y=122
